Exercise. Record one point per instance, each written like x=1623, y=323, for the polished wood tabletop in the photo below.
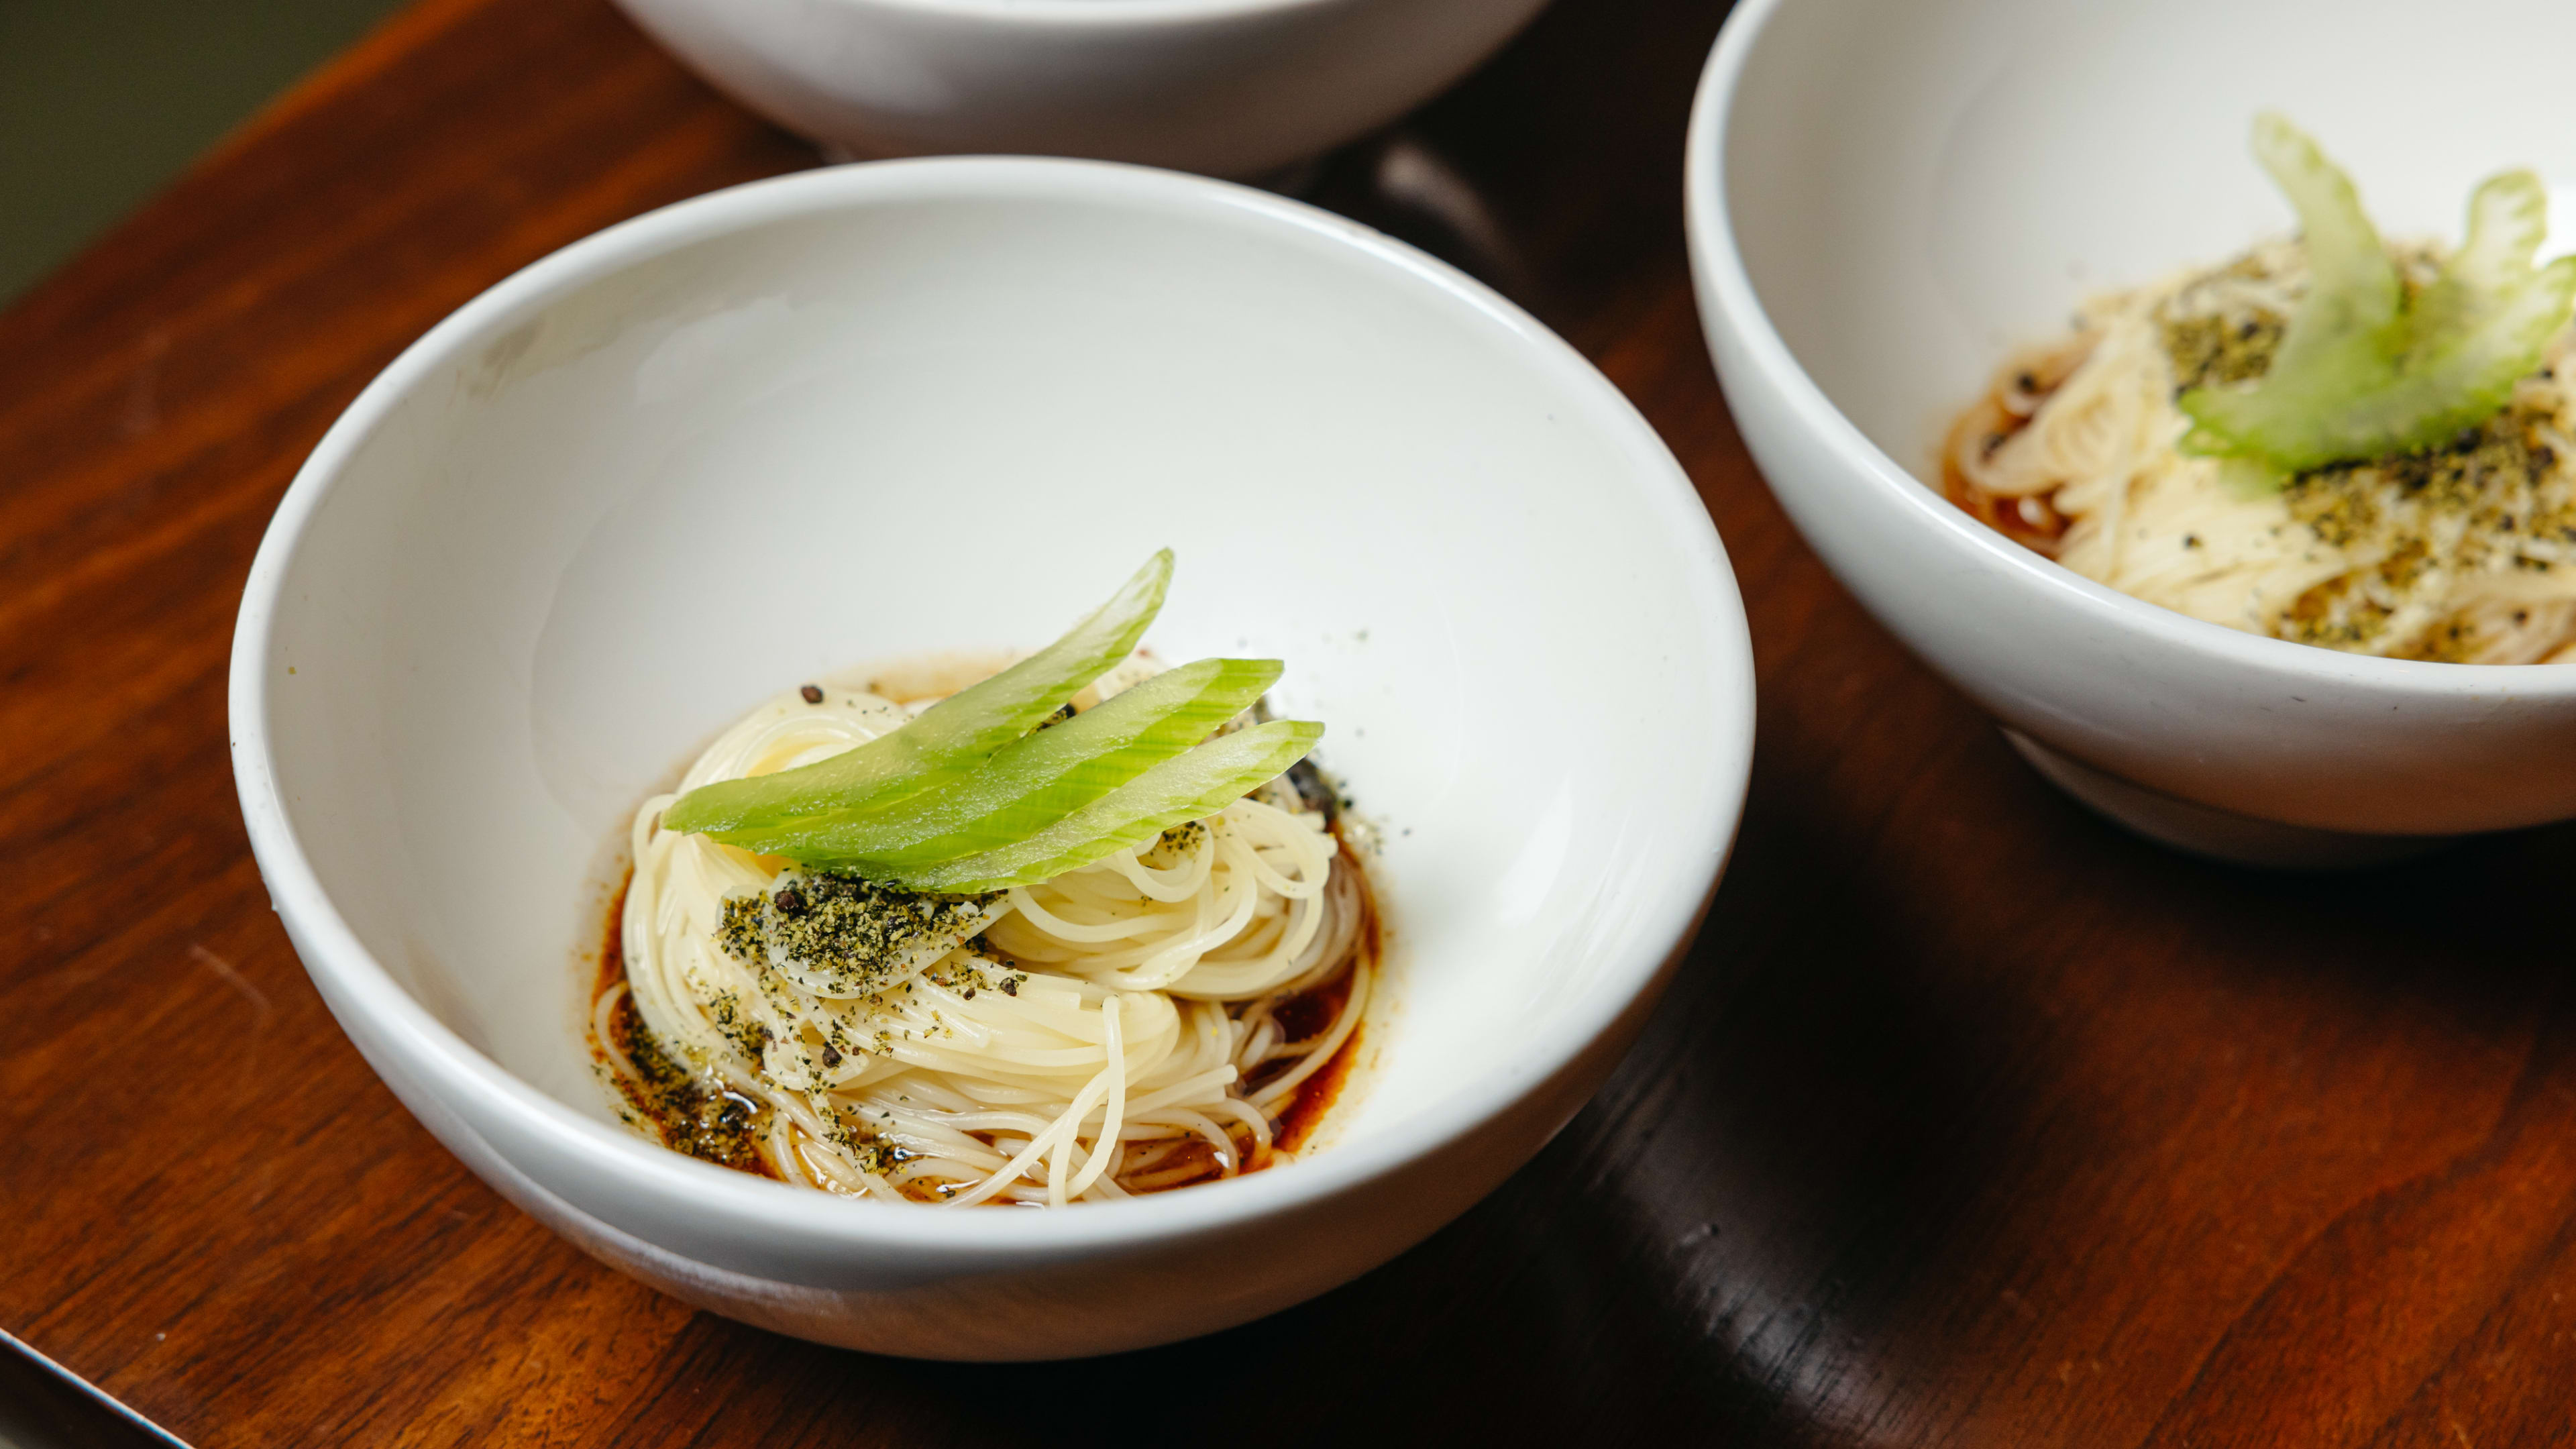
x=1969, y=1120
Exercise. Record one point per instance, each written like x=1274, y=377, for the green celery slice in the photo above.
x=2483, y=324
x=2359, y=374
x=2353, y=288
x=1033, y=781
x=2338, y=343
x=2452, y=388
x=950, y=737
x=1191, y=786
x=2508, y=220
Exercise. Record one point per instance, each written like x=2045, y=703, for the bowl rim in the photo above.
x=1717, y=263
x=1093, y=15
x=732, y=1202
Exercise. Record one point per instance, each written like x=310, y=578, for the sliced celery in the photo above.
x=948, y=739
x=974, y=796
x=2353, y=290
x=2508, y=220
x=2360, y=374
x=1032, y=782
x=1192, y=786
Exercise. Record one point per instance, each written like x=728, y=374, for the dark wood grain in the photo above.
x=1970, y=1121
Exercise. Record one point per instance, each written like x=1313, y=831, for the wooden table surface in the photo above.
x=1969, y=1121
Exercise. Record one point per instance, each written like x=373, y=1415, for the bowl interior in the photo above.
x=930, y=406
x=1918, y=186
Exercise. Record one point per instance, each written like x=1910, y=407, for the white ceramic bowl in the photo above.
x=1885, y=196
x=1228, y=87
x=922, y=405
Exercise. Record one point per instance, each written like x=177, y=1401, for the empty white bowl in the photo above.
x=1886, y=196
x=1227, y=87
x=877, y=410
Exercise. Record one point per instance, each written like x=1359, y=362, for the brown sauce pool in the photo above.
x=705, y=1121
x=1992, y=421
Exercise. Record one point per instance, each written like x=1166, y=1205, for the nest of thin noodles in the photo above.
x=2465, y=553
x=1117, y=1030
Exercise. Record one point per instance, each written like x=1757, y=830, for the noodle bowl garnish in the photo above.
x=995, y=950
x=2330, y=439
x=2365, y=369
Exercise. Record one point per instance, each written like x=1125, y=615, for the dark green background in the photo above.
x=102, y=101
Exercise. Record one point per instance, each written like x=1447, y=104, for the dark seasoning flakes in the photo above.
x=857, y=935
x=692, y=1111
x=688, y=1109
x=2488, y=499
